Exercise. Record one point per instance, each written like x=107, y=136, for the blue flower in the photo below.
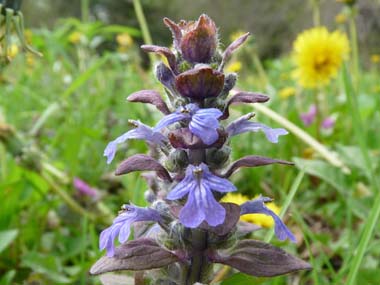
x=203, y=122
x=141, y=131
x=243, y=125
x=201, y=205
x=122, y=223
x=257, y=206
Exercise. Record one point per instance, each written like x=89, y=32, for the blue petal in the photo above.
x=206, y=134
x=214, y=212
x=215, y=182
x=257, y=206
x=191, y=214
x=170, y=119
x=142, y=132
x=243, y=125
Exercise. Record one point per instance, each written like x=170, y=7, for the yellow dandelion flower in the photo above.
x=75, y=37
x=318, y=55
x=257, y=219
x=287, y=92
x=340, y=18
x=375, y=58
x=234, y=66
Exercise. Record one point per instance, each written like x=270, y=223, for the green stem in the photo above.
x=316, y=13
x=85, y=10
x=354, y=48
x=144, y=26
x=375, y=209
x=199, y=264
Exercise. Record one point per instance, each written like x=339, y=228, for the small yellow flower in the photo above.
x=257, y=219
x=340, y=18
x=124, y=40
x=318, y=55
x=234, y=66
x=30, y=59
x=287, y=92
x=75, y=37
x=375, y=58
x=13, y=50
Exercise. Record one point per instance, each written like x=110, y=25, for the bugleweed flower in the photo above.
x=261, y=220
x=201, y=205
x=203, y=122
x=257, y=206
x=141, y=132
x=121, y=225
x=318, y=55
x=190, y=157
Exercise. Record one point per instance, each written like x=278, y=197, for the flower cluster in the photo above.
x=190, y=156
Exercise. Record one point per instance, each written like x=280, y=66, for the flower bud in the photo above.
x=177, y=160
x=197, y=41
x=216, y=158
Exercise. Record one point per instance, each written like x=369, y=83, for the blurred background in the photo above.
x=59, y=111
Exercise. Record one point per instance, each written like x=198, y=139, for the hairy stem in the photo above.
x=199, y=266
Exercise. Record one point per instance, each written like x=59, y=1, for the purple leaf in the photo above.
x=176, y=32
x=150, y=97
x=199, y=40
x=162, y=51
x=200, y=83
x=243, y=97
x=140, y=162
x=140, y=254
x=231, y=48
x=252, y=161
x=261, y=259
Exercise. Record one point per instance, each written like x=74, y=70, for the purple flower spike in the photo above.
x=203, y=122
x=309, y=117
x=85, y=189
x=257, y=206
x=328, y=123
x=141, y=132
x=201, y=205
x=243, y=125
x=122, y=223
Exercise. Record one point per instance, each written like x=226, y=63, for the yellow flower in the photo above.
x=75, y=37
x=318, y=55
x=13, y=50
x=234, y=66
x=124, y=41
x=287, y=92
x=375, y=58
x=257, y=219
x=340, y=18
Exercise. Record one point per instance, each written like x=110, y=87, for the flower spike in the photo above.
x=122, y=223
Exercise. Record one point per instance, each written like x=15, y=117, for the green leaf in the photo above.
x=325, y=171
x=239, y=279
x=8, y=277
x=7, y=237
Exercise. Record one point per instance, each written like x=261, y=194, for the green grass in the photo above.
x=70, y=103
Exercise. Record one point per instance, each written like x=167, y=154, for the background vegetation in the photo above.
x=57, y=114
